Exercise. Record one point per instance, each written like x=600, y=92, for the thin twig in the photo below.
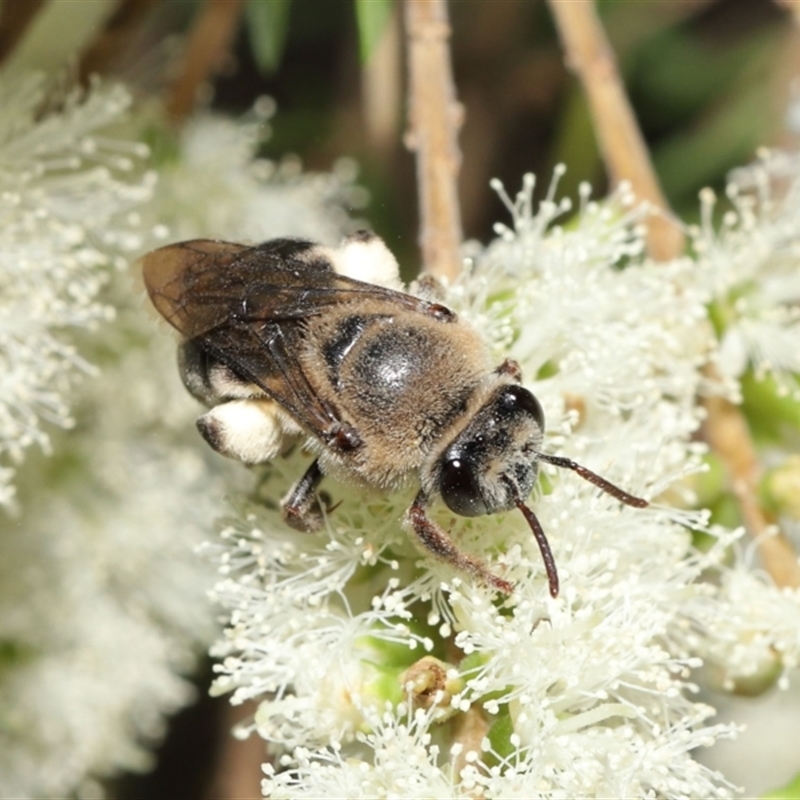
x=626, y=156
x=624, y=151
x=793, y=6
x=237, y=775
x=435, y=117
x=15, y=18
x=210, y=40
x=469, y=730
x=113, y=39
x=726, y=431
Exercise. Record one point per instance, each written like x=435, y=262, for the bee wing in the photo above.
x=248, y=305
x=202, y=284
x=263, y=354
x=192, y=284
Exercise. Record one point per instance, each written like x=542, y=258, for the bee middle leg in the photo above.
x=301, y=507
x=438, y=542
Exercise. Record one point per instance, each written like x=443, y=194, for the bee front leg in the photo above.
x=512, y=368
x=438, y=542
x=301, y=508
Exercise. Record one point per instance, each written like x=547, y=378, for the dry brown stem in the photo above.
x=589, y=54
x=14, y=21
x=112, y=41
x=238, y=772
x=793, y=6
x=435, y=117
x=469, y=730
x=209, y=43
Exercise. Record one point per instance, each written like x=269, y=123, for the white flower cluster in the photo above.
x=750, y=267
x=67, y=197
x=220, y=188
x=586, y=695
x=103, y=605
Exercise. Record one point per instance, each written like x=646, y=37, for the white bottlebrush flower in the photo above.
x=750, y=267
x=103, y=607
x=402, y=762
x=220, y=189
x=586, y=695
x=750, y=634
x=67, y=197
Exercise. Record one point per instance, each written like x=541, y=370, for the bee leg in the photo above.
x=512, y=368
x=438, y=542
x=430, y=288
x=247, y=430
x=301, y=508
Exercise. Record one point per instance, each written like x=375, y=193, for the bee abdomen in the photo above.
x=209, y=380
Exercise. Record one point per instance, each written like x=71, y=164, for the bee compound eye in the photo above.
x=460, y=490
x=517, y=397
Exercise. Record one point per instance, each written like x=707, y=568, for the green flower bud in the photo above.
x=780, y=488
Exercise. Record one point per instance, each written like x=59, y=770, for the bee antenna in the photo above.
x=544, y=547
x=593, y=477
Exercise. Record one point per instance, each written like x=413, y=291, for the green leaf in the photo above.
x=500, y=734
x=13, y=653
x=779, y=490
x=267, y=24
x=725, y=511
x=789, y=792
x=372, y=16
x=731, y=118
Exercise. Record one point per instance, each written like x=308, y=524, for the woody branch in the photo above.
x=435, y=117
x=590, y=55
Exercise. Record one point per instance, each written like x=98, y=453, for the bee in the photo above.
x=387, y=387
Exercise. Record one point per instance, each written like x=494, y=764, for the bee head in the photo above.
x=492, y=464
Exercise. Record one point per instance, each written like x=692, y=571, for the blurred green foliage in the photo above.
x=709, y=81
x=791, y=791
x=267, y=25
x=704, y=77
x=372, y=17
